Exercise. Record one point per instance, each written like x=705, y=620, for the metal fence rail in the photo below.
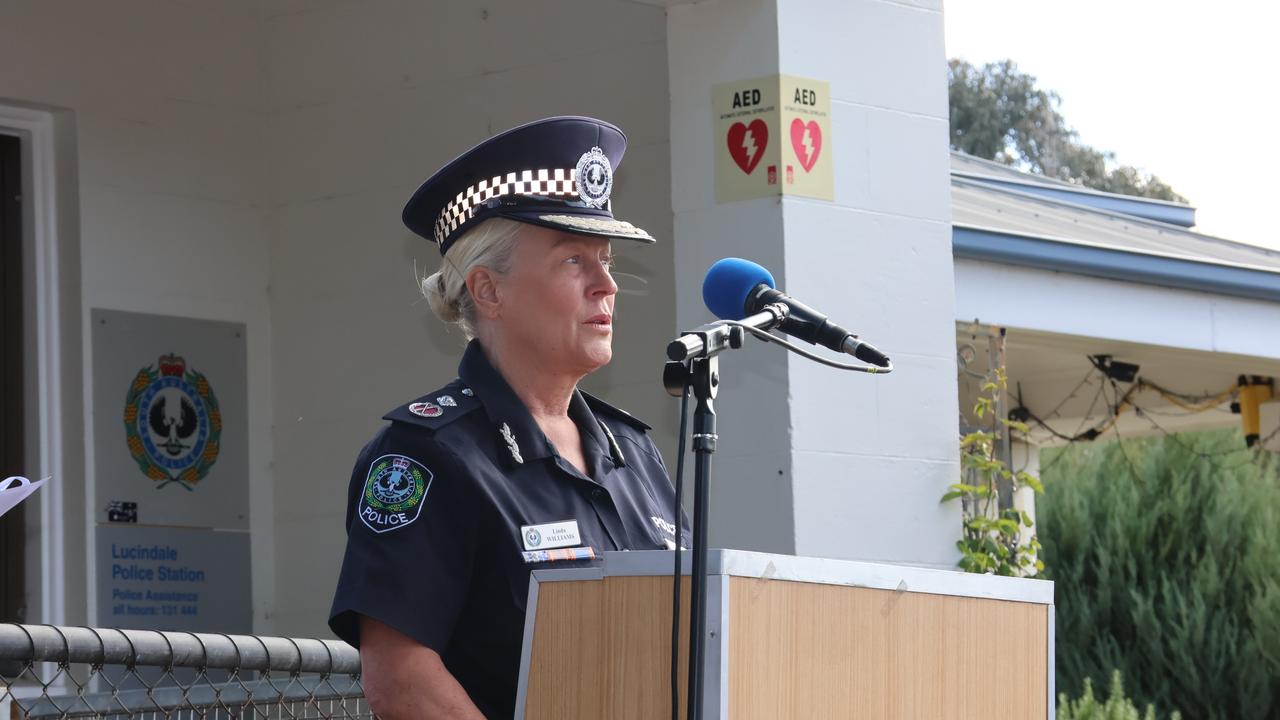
x=73, y=672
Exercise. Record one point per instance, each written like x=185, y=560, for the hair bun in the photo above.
x=434, y=290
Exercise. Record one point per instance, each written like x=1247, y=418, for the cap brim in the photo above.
x=592, y=225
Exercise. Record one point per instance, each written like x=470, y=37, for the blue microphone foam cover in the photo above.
x=728, y=283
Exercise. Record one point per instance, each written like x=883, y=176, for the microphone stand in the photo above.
x=701, y=348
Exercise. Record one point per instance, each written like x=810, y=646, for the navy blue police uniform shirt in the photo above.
x=454, y=503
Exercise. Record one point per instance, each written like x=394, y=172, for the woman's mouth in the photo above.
x=600, y=320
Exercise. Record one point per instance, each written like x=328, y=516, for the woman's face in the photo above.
x=556, y=303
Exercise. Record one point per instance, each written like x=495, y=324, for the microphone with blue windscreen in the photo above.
x=735, y=288
x=730, y=283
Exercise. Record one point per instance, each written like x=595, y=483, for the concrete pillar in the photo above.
x=814, y=461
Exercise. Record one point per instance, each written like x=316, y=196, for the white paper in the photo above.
x=16, y=489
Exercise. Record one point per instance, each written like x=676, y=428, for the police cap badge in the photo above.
x=556, y=172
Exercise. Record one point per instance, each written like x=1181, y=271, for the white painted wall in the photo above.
x=751, y=487
x=365, y=100
x=871, y=467
x=167, y=103
x=247, y=161
x=813, y=461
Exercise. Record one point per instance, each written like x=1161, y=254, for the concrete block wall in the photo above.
x=869, y=469
x=813, y=461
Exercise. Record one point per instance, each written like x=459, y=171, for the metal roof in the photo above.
x=966, y=164
x=1002, y=222
x=1000, y=175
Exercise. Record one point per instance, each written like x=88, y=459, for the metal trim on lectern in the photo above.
x=723, y=564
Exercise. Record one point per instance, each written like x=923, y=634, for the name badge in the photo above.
x=551, y=535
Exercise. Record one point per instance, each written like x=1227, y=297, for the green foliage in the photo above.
x=1117, y=706
x=998, y=113
x=991, y=541
x=1164, y=551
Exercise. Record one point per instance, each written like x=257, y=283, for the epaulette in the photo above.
x=437, y=409
x=599, y=406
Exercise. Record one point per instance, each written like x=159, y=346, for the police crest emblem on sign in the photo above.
x=173, y=426
x=393, y=493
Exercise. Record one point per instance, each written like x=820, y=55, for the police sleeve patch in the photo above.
x=393, y=493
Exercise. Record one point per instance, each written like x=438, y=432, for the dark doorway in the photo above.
x=12, y=545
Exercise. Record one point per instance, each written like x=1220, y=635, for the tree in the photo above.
x=998, y=113
x=1163, y=551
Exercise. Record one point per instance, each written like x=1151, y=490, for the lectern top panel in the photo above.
x=853, y=573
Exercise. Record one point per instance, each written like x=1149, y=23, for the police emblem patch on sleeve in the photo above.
x=393, y=493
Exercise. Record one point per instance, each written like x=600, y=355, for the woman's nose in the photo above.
x=603, y=283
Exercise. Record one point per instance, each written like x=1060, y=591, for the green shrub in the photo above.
x=1167, y=565
x=1117, y=706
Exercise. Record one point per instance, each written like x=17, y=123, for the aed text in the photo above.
x=746, y=98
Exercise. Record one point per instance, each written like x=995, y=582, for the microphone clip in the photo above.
x=714, y=338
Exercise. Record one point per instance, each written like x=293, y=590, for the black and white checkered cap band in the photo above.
x=560, y=182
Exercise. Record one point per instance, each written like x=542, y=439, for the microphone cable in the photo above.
x=678, y=515
x=770, y=337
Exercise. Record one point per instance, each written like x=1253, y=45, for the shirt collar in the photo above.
x=503, y=406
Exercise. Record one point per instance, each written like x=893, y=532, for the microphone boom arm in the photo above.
x=714, y=338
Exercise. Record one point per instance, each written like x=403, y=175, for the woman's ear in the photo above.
x=482, y=283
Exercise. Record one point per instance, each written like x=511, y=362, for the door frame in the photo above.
x=53, y=362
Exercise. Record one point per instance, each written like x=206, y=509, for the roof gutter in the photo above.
x=1044, y=254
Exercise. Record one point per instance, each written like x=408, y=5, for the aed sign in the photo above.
x=772, y=137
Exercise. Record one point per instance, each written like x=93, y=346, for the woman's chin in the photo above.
x=597, y=354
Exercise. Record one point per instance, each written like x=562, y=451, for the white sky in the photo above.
x=1185, y=89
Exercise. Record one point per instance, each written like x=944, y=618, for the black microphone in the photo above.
x=735, y=288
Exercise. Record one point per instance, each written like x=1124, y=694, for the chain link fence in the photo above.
x=77, y=672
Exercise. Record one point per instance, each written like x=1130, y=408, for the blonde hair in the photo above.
x=490, y=244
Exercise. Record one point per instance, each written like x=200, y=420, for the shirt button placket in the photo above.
x=608, y=515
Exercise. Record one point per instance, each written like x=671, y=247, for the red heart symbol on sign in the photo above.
x=806, y=140
x=747, y=143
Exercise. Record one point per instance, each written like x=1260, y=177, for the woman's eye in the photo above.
x=607, y=260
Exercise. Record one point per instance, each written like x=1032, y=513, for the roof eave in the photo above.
x=1045, y=254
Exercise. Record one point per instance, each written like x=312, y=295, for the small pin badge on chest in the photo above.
x=467, y=392
x=512, y=445
x=447, y=401
x=426, y=409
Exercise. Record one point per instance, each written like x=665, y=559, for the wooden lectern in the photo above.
x=788, y=638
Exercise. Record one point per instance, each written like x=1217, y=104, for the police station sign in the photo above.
x=772, y=137
x=171, y=480
x=173, y=579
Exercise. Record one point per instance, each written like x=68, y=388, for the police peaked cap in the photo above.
x=556, y=172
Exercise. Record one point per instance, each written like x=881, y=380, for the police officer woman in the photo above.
x=510, y=467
